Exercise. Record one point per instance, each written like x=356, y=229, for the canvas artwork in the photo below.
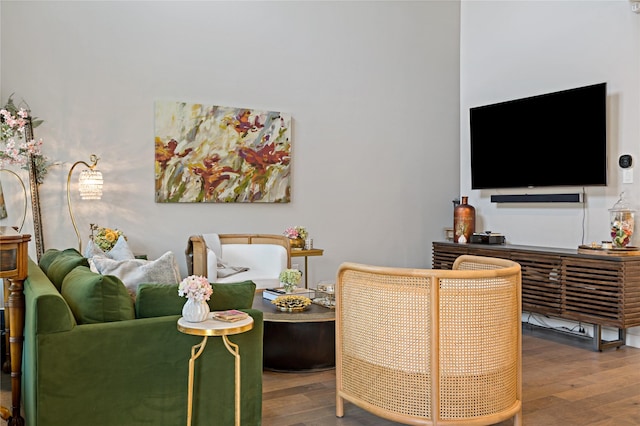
x=217, y=154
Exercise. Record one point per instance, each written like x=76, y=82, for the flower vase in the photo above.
x=289, y=288
x=195, y=310
x=296, y=243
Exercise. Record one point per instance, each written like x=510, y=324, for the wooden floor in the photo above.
x=565, y=383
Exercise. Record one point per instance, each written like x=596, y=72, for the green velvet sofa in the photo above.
x=93, y=356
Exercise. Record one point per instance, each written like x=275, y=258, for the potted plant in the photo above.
x=289, y=279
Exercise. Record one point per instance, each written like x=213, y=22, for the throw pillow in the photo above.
x=95, y=298
x=156, y=300
x=120, y=250
x=46, y=259
x=64, y=263
x=134, y=272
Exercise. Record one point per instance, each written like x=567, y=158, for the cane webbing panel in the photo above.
x=479, y=325
x=386, y=341
x=407, y=339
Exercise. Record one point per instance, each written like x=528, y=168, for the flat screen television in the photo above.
x=554, y=139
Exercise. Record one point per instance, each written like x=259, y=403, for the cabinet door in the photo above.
x=541, y=282
x=593, y=291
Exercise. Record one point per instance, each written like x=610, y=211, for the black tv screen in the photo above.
x=555, y=139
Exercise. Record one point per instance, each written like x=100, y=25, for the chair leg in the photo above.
x=517, y=419
x=339, y=406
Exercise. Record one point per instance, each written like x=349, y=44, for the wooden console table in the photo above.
x=599, y=288
x=14, y=258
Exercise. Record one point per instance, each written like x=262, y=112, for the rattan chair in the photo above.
x=431, y=347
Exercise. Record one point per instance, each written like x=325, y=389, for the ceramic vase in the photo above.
x=464, y=222
x=195, y=310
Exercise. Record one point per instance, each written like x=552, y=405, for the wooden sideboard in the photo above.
x=594, y=287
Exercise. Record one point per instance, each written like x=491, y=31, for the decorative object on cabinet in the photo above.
x=90, y=187
x=216, y=154
x=622, y=223
x=464, y=221
x=428, y=346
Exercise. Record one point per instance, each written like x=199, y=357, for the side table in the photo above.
x=214, y=327
x=14, y=270
x=306, y=253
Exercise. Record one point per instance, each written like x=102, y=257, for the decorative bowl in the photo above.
x=291, y=303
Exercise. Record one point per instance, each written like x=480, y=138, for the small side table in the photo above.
x=214, y=327
x=306, y=253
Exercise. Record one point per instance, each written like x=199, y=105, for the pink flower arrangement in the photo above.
x=294, y=232
x=15, y=149
x=195, y=287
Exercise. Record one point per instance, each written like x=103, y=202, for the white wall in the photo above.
x=522, y=48
x=373, y=88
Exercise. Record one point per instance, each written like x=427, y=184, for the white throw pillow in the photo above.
x=120, y=250
x=133, y=272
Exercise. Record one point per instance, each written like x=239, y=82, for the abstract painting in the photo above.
x=216, y=154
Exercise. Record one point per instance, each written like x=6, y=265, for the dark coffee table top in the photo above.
x=315, y=313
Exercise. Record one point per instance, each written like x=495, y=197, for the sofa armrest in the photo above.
x=46, y=311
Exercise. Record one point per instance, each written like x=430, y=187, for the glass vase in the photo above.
x=622, y=223
x=289, y=288
x=195, y=310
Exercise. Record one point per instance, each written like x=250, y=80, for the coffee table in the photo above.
x=297, y=341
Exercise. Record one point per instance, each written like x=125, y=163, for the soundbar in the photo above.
x=537, y=198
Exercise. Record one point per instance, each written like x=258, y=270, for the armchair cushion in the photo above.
x=95, y=298
x=155, y=300
x=57, y=264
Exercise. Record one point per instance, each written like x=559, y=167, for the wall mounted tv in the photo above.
x=554, y=139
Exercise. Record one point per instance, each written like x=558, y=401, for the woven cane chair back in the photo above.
x=430, y=347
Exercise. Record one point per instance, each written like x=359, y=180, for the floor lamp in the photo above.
x=89, y=185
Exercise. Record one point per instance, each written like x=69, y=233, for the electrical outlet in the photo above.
x=635, y=6
x=627, y=176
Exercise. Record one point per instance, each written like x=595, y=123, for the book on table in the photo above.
x=272, y=293
x=231, y=315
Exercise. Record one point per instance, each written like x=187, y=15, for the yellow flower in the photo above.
x=110, y=235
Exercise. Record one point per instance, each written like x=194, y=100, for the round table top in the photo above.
x=315, y=313
x=215, y=327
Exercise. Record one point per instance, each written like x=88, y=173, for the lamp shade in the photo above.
x=90, y=184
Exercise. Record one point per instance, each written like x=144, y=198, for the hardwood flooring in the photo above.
x=565, y=383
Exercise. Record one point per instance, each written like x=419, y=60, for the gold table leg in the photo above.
x=236, y=353
x=194, y=356
x=233, y=350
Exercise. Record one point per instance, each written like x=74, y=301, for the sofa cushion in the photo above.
x=95, y=298
x=156, y=300
x=134, y=272
x=46, y=259
x=63, y=262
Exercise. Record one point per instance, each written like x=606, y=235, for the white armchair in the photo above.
x=265, y=256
